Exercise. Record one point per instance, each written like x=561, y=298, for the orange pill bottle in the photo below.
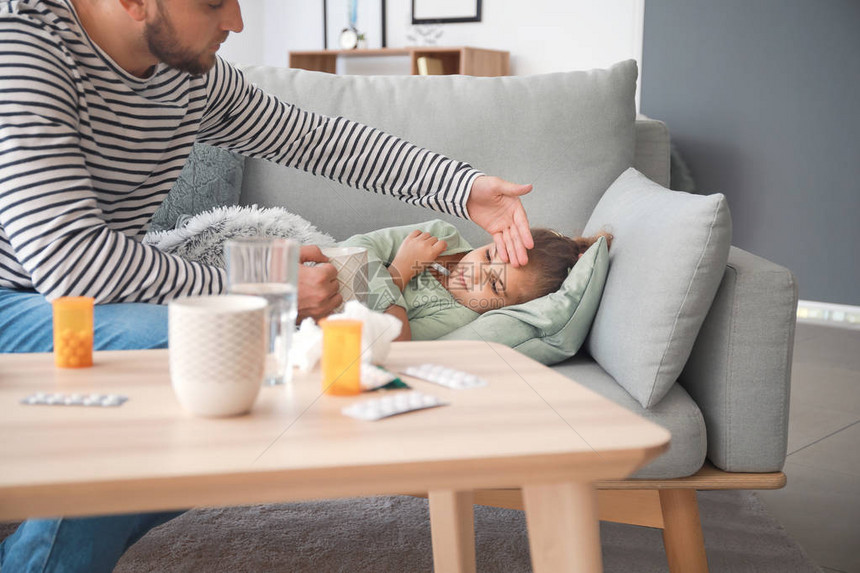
x=73, y=332
x=341, y=357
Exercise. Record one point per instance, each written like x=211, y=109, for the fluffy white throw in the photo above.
x=201, y=238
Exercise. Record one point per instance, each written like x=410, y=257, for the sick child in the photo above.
x=430, y=278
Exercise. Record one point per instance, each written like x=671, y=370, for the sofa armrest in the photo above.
x=739, y=372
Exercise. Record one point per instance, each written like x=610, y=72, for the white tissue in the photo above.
x=378, y=330
x=306, y=347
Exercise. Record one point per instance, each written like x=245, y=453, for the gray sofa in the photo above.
x=730, y=402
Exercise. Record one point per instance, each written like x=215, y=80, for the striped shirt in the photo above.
x=88, y=152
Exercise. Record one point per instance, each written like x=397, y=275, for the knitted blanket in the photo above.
x=201, y=238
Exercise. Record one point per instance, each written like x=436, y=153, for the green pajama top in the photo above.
x=430, y=308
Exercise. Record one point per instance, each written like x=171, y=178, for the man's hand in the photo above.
x=495, y=205
x=318, y=295
x=417, y=250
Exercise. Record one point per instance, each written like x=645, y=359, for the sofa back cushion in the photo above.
x=570, y=134
x=668, y=256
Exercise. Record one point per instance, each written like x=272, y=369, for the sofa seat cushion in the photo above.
x=677, y=412
x=570, y=134
x=667, y=259
x=551, y=328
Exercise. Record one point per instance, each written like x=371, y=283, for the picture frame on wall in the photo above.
x=445, y=11
x=340, y=32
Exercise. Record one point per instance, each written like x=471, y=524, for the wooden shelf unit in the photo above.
x=455, y=60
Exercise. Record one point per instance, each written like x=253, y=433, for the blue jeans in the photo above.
x=91, y=544
x=26, y=324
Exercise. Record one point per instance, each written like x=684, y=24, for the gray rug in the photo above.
x=392, y=534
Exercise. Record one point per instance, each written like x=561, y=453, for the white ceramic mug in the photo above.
x=217, y=352
x=351, y=265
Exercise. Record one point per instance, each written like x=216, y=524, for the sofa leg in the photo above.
x=682, y=531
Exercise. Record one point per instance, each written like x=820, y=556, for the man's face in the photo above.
x=186, y=34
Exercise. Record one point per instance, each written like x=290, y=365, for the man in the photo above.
x=101, y=103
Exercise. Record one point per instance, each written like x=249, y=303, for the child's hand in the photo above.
x=417, y=251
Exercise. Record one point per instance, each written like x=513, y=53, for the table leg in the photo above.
x=564, y=528
x=452, y=528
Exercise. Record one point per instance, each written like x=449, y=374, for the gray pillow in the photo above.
x=668, y=257
x=551, y=328
x=211, y=177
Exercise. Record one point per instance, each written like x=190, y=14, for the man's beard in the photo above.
x=164, y=44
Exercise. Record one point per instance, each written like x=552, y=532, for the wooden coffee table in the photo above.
x=530, y=428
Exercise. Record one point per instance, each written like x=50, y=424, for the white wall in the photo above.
x=247, y=46
x=542, y=35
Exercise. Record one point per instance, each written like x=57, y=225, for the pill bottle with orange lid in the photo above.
x=73, y=331
x=341, y=357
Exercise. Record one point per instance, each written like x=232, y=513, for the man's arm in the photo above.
x=50, y=214
x=242, y=117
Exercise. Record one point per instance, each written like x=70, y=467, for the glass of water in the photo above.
x=268, y=268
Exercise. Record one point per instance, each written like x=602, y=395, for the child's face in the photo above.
x=482, y=282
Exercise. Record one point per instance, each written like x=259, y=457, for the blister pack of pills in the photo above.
x=448, y=377
x=376, y=377
x=398, y=403
x=97, y=400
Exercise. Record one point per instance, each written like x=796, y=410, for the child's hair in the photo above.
x=553, y=256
